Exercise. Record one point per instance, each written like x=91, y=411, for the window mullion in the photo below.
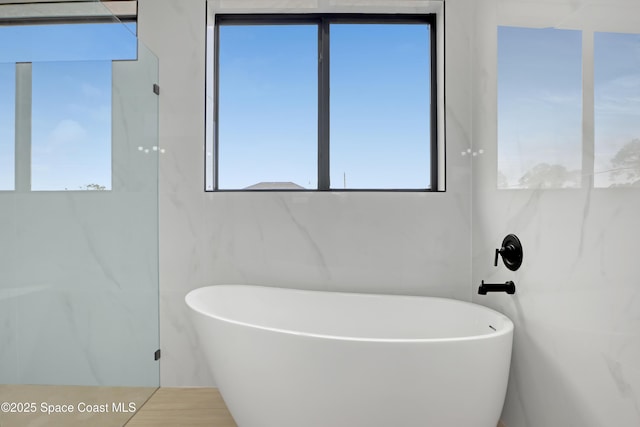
x=434, y=184
x=588, y=109
x=323, y=105
x=216, y=112
x=23, y=126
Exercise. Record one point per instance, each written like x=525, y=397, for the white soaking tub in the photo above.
x=295, y=358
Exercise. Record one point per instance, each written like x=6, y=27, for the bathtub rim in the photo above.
x=507, y=328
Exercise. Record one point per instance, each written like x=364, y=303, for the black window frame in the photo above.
x=323, y=22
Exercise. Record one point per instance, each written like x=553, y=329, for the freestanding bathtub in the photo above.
x=295, y=358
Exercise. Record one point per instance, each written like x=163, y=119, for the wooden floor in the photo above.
x=187, y=407
x=172, y=407
x=163, y=407
x=49, y=406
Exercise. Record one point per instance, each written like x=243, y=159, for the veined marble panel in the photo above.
x=86, y=338
x=576, y=313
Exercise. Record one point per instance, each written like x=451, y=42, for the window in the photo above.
x=267, y=111
x=7, y=126
x=568, y=106
x=71, y=126
x=617, y=108
x=539, y=108
x=56, y=103
x=327, y=102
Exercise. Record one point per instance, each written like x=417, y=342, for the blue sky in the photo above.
x=71, y=100
x=7, y=126
x=268, y=105
x=71, y=125
x=379, y=105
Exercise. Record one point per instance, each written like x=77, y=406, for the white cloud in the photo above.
x=572, y=99
x=91, y=91
x=629, y=81
x=67, y=131
x=102, y=113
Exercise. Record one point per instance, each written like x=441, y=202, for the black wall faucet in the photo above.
x=511, y=252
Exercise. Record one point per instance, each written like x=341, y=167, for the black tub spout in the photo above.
x=508, y=287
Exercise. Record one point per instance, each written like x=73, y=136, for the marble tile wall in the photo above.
x=577, y=307
x=80, y=305
x=369, y=242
